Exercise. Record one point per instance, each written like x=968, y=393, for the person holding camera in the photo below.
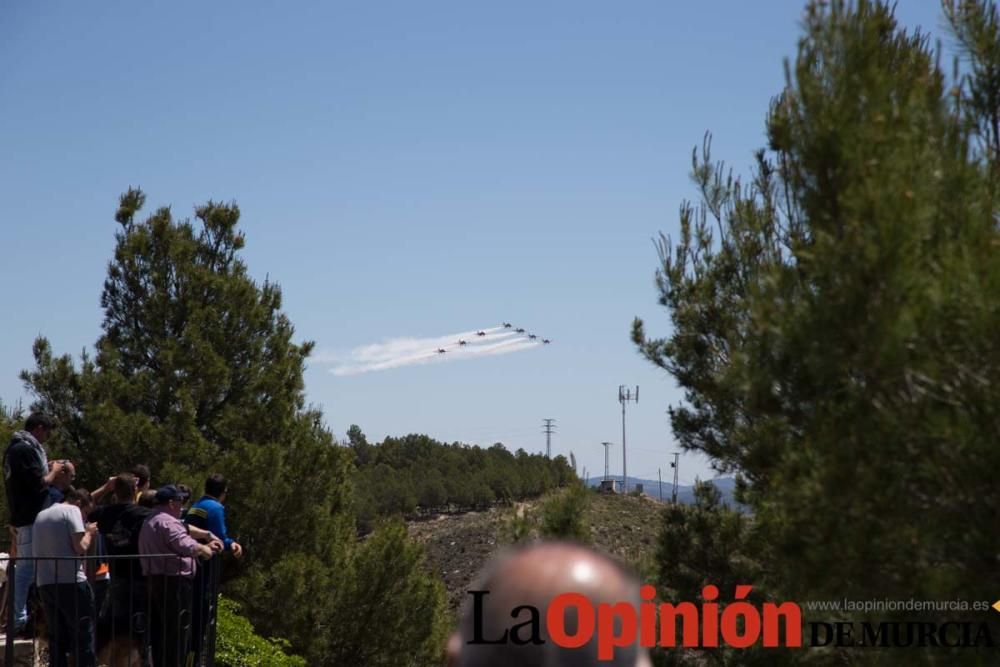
x=27, y=477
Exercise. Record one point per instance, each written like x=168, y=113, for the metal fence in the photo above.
x=101, y=610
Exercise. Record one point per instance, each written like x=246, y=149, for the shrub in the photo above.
x=563, y=515
x=237, y=645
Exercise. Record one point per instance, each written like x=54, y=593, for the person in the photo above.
x=27, y=477
x=58, y=487
x=533, y=575
x=209, y=513
x=142, y=477
x=147, y=499
x=97, y=566
x=103, y=490
x=60, y=537
x=120, y=523
x=169, y=565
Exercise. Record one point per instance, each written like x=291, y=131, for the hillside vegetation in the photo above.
x=458, y=545
x=416, y=473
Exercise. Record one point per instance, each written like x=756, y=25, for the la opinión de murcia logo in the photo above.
x=738, y=625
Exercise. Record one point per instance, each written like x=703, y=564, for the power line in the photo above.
x=548, y=429
x=647, y=449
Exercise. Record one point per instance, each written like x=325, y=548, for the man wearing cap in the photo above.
x=169, y=577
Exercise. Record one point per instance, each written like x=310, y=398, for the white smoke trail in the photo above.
x=399, y=352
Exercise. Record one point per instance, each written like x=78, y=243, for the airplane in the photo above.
x=441, y=350
x=519, y=330
x=462, y=342
x=546, y=341
x=532, y=336
x=506, y=325
x=480, y=333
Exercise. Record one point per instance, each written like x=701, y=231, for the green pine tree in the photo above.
x=833, y=315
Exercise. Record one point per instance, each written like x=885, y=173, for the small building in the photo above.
x=609, y=486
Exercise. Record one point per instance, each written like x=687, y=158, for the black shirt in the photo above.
x=120, y=525
x=24, y=476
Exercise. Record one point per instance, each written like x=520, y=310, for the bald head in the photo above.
x=531, y=577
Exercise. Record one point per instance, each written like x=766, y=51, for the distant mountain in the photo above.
x=685, y=494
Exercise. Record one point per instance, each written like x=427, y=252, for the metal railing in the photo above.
x=122, y=619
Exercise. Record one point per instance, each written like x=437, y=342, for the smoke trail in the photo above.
x=399, y=352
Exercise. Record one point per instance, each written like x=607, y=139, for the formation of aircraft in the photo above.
x=506, y=325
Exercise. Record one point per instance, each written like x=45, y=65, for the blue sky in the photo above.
x=405, y=169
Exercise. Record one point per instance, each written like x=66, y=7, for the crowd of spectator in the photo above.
x=126, y=567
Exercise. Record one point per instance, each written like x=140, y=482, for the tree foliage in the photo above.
x=833, y=313
x=11, y=420
x=237, y=645
x=376, y=606
x=195, y=357
x=708, y=543
x=402, y=475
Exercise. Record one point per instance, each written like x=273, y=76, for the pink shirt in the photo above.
x=164, y=534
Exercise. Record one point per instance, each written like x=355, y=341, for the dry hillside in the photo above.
x=458, y=545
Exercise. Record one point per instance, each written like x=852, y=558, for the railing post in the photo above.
x=215, y=576
x=11, y=634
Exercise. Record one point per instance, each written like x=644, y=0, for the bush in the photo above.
x=519, y=526
x=237, y=645
x=563, y=515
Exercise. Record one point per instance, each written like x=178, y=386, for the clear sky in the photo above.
x=405, y=169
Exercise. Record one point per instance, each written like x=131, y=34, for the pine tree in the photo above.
x=833, y=314
x=709, y=543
